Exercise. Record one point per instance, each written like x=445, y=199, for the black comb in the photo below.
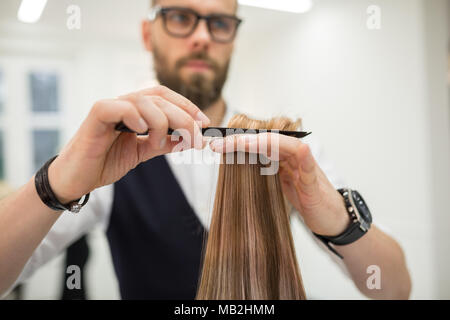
x=221, y=131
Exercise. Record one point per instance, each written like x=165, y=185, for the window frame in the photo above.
x=18, y=121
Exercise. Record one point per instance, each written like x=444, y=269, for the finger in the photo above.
x=156, y=119
x=147, y=152
x=297, y=155
x=306, y=168
x=273, y=145
x=236, y=142
x=301, y=166
x=288, y=172
x=171, y=146
x=174, y=98
x=182, y=121
x=108, y=113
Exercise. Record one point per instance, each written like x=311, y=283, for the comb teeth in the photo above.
x=221, y=131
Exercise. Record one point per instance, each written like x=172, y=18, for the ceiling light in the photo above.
x=30, y=10
x=296, y=6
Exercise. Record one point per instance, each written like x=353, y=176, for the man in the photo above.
x=149, y=204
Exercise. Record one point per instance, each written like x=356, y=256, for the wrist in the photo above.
x=54, y=178
x=360, y=220
x=36, y=202
x=342, y=220
x=48, y=196
x=336, y=220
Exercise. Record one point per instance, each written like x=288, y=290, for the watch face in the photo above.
x=362, y=207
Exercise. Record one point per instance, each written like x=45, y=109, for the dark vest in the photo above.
x=154, y=235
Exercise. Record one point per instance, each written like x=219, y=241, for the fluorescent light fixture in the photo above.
x=296, y=6
x=31, y=10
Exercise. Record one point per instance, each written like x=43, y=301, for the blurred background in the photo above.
x=370, y=79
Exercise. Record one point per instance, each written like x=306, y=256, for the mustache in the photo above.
x=197, y=56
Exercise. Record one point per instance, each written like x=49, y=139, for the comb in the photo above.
x=221, y=131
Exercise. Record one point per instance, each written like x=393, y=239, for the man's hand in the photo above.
x=99, y=155
x=303, y=181
x=323, y=211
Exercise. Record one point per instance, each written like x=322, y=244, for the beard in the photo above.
x=200, y=90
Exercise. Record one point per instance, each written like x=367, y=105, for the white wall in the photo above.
x=368, y=96
x=438, y=116
x=376, y=100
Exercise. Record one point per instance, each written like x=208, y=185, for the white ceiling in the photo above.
x=114, y=19
x=107, y=18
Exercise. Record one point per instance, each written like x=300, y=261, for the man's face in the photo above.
x=195, y=66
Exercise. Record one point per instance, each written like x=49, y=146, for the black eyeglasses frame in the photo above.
x=162, y=11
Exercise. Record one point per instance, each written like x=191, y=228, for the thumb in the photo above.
x=307, y=169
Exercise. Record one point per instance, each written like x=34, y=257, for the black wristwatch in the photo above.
x=360, y=221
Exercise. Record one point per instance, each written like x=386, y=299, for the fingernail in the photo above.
x=142, y=125
x=202, y=118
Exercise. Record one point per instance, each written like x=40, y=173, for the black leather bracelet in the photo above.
x=47, y=195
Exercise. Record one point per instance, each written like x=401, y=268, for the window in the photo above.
x=45, y=146
x=2, y=93
x=44, y=87
x=33, y=102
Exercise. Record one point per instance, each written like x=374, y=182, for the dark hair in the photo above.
x=154, y=2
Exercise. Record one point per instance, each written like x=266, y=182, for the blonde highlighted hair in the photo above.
x=250, y=252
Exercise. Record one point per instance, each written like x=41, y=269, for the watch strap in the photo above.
x=47, y=195
x=352, y=233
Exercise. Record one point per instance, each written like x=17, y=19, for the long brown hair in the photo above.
x=250, y=252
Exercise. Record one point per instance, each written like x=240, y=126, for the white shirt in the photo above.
x=197, y=179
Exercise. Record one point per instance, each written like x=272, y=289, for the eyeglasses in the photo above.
x=181, y=23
